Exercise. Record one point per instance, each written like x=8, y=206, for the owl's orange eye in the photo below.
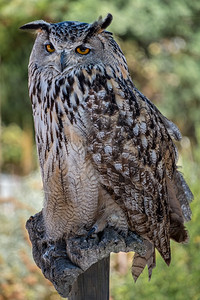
x=50, y=48
x=82, y=50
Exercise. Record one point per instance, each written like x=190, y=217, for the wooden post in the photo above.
x=94, y=283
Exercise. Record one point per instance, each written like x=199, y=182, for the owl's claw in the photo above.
x=92, y=230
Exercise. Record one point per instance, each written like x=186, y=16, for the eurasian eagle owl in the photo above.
x=106, y=152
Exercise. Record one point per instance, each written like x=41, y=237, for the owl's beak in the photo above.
x=63, y=60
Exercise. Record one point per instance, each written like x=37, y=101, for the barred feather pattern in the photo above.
x=106, y=153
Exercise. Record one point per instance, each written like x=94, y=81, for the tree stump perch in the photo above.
x=89, y=271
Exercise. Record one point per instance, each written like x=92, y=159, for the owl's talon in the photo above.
x=92, y=230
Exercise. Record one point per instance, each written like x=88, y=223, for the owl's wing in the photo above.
x=133, y=151
x=183, y=193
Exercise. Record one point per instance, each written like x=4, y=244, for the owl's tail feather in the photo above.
x=139, y=262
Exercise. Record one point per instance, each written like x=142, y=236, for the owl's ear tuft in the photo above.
x=99, y=26
x=36, y=25
x=104, y=23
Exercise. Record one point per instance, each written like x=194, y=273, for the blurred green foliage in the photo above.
x=161, y=41
x=11, y=144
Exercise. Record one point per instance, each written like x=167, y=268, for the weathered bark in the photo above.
x=51, y=257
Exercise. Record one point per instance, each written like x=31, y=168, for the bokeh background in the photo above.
x=161, y=41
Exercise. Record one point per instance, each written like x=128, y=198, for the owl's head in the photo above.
x=68, y=45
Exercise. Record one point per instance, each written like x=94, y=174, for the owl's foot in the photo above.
x=85, y=233
x=93, y=230
x=113, y=221
x=99, y=226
